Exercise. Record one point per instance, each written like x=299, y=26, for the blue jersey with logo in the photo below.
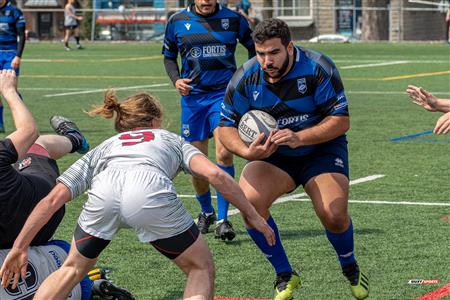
x=309, y=92
x=206, y=45
x=11, y=18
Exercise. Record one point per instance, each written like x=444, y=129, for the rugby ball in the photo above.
x=255, y=122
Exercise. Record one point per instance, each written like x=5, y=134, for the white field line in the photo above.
x=386, y=63
x=102, y=90
x=300, y=198
x=379, y=202
x=384, y=60
x=173, y=90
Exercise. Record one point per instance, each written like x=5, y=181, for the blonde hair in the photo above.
x=133, y=112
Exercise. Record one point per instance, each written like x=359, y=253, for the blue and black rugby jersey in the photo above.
x=309, y=92
x=11, y=18
x=207, y=46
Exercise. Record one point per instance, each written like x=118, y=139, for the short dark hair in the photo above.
x=272, y=28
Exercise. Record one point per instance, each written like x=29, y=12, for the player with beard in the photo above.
x=205, y=35
x=302, y=90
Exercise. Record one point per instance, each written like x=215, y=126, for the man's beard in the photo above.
x=281, y=70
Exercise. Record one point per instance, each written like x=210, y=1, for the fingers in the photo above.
x=442, y=124
x=182, y=87
x=259, y=139
x=16, y=280
x=269, y=235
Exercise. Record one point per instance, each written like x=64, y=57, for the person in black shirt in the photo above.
x=28, y=169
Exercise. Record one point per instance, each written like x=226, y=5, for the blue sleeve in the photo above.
x=245, y=36
x=20, y=19
x=329, y=95
x=235, y=103
x=170, y=47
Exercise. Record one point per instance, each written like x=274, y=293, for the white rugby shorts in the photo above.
x=140, y=198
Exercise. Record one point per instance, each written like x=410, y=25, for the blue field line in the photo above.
x=410, y=136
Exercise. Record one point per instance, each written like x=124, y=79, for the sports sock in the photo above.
x=77, y=39
x=205, y=202
x=66, y=44
x=275, y=254
x=76, y=138
x=1, y=114
x=343, y=245
x=222, y=203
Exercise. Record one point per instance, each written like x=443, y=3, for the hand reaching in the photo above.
x=261, y=225
x=423, y=98
x=8, y=81
x=443, y=124
x=13, y=267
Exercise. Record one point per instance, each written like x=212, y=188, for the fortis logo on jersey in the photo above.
x=209, y=51
x=292, y=120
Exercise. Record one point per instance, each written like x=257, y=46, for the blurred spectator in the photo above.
x=447, y=18
x=244, y=7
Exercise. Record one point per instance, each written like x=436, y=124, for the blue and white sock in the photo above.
x=275, y=254
x=343, y=245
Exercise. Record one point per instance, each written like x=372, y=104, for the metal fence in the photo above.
x=367, y=20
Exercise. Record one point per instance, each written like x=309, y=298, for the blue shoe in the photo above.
x=69, y=129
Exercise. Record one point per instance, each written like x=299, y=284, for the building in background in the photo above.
x=368, y=20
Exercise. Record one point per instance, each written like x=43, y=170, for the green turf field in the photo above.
x=394, y=242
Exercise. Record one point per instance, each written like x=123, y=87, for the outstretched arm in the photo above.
x=201, y=166
x=15, y=264
x=427, y=100
x=26, y=130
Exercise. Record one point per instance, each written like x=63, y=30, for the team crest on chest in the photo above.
x=225, y=23
x=301, y=85
x=187, y=25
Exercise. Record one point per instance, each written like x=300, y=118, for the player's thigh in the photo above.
x=201, y=145
x=329, y=195
x=263, y=183
x=197, y=256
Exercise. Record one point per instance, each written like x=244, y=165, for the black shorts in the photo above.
x=71, y=27
x=23, y=185
x=330, y=157
x=91, y=247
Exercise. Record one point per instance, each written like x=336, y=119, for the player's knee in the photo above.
x=336, y=221
x=224, y=157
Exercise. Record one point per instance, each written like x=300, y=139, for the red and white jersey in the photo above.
x=155, y=149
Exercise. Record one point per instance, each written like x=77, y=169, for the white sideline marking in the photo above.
x=297, y=197
x=380, y=60
x=102, y=90
x=382, y=202
x=386, y=63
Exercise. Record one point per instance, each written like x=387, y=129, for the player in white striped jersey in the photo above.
x=129, y=178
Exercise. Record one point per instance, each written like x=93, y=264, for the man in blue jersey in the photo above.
x=205, y=35
x=302, y=89
x=12, y=41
